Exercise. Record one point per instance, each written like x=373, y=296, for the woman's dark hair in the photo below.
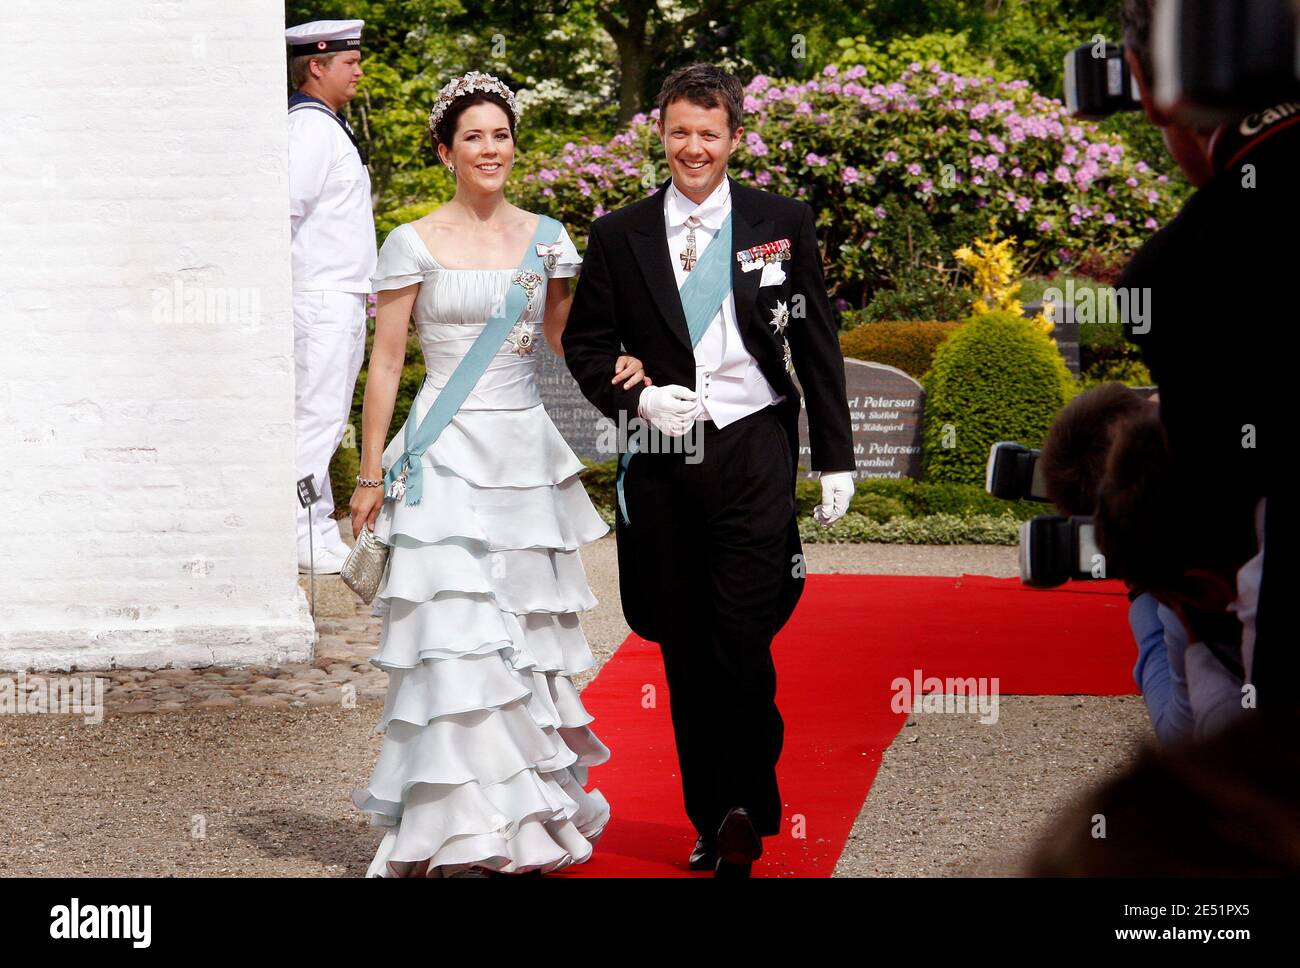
x=445, y=130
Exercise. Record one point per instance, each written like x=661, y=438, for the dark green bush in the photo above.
x=877, y=507
x=598, y=479
x=1106, y=354
x=918, y=293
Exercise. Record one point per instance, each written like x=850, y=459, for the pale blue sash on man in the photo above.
x=702, y=294
x=467, y=372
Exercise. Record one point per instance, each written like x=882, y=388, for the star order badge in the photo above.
x=521, y=338
x=786, y=359
x=780, y=317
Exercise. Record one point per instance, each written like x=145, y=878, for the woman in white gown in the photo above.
x=486, y=741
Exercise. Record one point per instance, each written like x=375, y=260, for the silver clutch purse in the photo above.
x=364, y=568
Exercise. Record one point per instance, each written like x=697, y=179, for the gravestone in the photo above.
x=885, y=407
x=1065, y=332
x=571, y=412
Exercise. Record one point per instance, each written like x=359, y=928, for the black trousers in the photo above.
x=713, y=539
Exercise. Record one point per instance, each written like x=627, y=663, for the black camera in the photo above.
x=1014, y=473
x=1056, y=549
x=1098, y=82
x=1215, y=60
x=1212, y=60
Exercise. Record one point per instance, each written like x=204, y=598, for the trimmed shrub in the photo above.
x=599, y=480
x=932, y=529
x=909, y=346
x=1105, y=354
x=999, y=377
x=344, y=468
x=807, y=495
x=877, y=507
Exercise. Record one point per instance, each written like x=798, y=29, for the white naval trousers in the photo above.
x=329, y=344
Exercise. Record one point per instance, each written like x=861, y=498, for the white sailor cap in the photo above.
x=324, y=36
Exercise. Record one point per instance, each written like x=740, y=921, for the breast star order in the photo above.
x=521, y=338
x=780, y=317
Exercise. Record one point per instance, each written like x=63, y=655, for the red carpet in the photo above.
x=850, y=637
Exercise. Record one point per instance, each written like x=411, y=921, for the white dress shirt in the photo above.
x=728, y=380
x=330, y=217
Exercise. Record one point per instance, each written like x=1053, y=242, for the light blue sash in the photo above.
x=466, y=374
x=702, y=294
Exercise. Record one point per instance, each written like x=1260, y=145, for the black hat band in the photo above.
x=325, y=46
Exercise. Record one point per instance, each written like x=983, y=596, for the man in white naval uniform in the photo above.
x=334, y=255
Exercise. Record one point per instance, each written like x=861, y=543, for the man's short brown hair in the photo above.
x=299, y=71
x=705, y=85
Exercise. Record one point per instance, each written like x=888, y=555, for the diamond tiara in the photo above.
x=467, y=84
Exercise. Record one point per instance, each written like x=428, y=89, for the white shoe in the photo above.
x=342, y=549
x=327, y=563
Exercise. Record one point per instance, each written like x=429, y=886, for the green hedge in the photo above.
x=598, y=479
x=878, y=499
x=999, y=377
x=1001, y=529
x=1105, y=354
x=882, y=498
x=909, y=346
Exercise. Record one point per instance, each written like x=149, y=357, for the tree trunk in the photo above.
x=634, y=54
x=635, y=64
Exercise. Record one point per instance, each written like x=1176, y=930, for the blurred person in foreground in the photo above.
x=1221, y=331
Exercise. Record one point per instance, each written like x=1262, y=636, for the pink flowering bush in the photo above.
x=900, y=174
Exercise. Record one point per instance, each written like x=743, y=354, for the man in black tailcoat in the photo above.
x=710, y=563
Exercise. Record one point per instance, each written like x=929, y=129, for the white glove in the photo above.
x=670, y=408
x=837, y=491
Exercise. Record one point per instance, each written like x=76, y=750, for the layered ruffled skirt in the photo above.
x=486, y=741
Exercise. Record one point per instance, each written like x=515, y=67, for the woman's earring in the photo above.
x=452, y=169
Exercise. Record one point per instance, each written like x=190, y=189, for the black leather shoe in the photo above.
x=704, y=857
x=739, y=844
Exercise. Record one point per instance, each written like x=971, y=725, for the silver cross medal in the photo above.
x=688, y=253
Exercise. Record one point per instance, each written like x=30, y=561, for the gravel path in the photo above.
x=253, y=777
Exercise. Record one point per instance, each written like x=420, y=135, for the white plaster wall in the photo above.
x=146, y=376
